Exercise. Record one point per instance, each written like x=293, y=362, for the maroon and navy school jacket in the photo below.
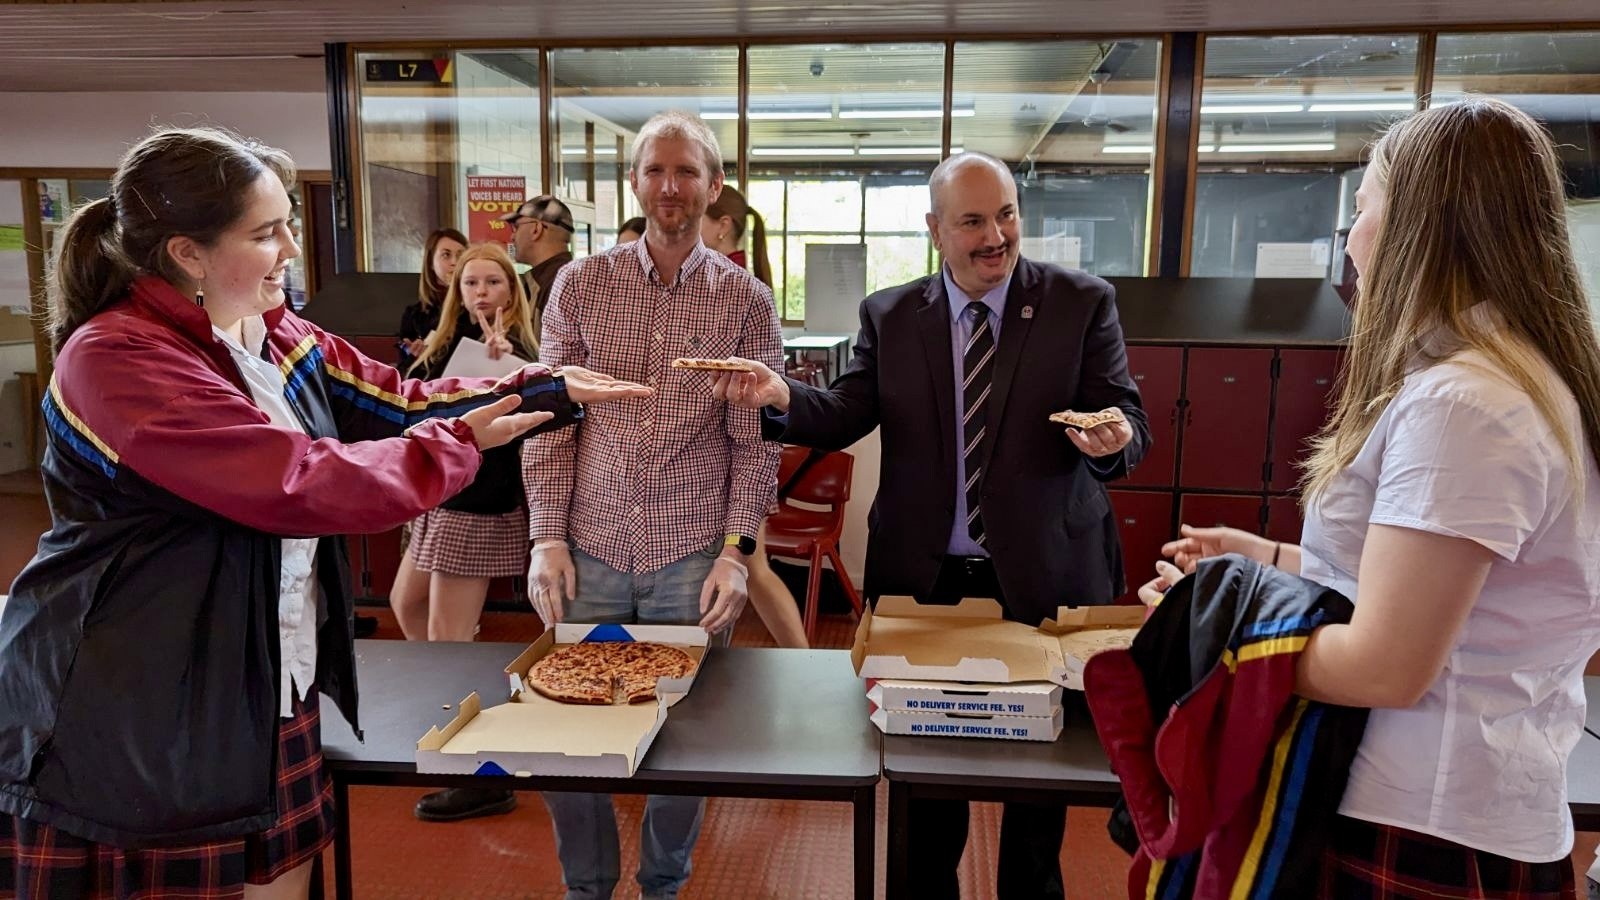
x=139, y=648
x=1231, y=780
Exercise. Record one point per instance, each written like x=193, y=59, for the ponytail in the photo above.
x=758, y=249
x=88, y=272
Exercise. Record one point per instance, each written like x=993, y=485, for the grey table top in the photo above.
x=1073, y=762
x=1583, y=776
x=789, y=717
x=1591, y=689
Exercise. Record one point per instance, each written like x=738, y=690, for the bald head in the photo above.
x=974, y=222
x=948, y=172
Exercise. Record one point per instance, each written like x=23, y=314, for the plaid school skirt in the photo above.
x=41, y=862
x=471, y=544
x=1365, y=861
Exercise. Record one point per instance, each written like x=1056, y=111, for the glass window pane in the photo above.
x=604, y=96
x=846, y=128
x=447, y=139
x=1076, y=121
x=1283, y=124
x=1556, y=79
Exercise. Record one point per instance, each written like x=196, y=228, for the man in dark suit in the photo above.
x=980, y=495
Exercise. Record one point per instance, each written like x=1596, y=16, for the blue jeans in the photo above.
x=586, y=824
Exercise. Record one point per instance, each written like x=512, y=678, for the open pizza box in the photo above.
x=971, y=641
x=535, y=735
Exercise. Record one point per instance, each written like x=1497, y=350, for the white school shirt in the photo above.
x=297, y=583
x=1481, y=759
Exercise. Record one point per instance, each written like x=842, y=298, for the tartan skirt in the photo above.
x=471, y=544
x=41, y=862
x=1366, y=861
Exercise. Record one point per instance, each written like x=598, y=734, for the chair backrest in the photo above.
x=827, y=482
x=792, y=458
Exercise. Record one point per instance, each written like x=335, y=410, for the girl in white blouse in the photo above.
x=1454, y=496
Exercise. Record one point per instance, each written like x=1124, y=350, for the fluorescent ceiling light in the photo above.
x=719, y=115
x=598, y=151
x=1247, y=109
x=930, y=113
x=771, y=115
x=802, y=151
x=1140, y=149
x=1373, y=106
x=1276, y=148
x=906, y=151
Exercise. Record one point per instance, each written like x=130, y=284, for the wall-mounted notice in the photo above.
x=836, y=283
x=488, y=198
x=1062, y=249
x=13, y=270
x=1286, y=260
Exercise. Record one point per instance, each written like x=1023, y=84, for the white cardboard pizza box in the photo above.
x=1011, y=728
x=1034, y=699
x=969, y=641
x=1083, y=631
x=540, y=736
x=691, y=639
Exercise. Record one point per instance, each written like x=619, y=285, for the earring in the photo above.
x=199, y=296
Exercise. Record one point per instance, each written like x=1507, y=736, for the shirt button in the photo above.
x=647, y=422
x=656, y=337
x=638, y=510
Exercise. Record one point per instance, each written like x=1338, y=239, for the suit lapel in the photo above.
x=1022, y=303
x=933, y=320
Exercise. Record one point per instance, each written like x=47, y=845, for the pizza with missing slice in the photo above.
x=607, y=672
x=1086, y=421
x=710, y=365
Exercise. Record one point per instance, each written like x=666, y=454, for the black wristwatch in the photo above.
x=746, y=545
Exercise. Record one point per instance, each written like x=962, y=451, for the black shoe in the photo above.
x=366, y=626
x=464, y=803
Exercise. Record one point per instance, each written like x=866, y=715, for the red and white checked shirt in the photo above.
x=644, y=483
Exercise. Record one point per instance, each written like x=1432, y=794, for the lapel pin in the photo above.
x=1027, y=312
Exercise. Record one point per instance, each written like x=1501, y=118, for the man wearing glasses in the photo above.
x=541, y=237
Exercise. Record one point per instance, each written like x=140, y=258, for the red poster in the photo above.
x=488, y=198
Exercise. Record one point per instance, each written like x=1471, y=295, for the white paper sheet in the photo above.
x=471, y=360
x=1291, y=260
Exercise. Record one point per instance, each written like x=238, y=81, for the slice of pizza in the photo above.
x=1086, y=421
x=710, y=365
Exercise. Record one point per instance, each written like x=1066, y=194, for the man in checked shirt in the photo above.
x=650, y=511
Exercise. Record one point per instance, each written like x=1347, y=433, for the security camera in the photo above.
x=816, y=69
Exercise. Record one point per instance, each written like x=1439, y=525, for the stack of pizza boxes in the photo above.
x=535, y=734
x=964, y=671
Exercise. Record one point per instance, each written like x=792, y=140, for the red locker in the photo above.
x=1305, y=395
x=1229, y=392
x=1158, y=371
x=1144, y=523
x=1283, y=519
x=1233, y=510
x=383, y=560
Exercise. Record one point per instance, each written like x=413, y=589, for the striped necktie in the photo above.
x=977, y=370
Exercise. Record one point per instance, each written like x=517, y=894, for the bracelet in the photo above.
x=1277, y=548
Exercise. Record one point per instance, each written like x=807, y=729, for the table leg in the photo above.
x=315, y=891
x=865, y=807
x=343, y=884
x=899, y=869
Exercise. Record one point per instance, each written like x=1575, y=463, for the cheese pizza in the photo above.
x=606, y=672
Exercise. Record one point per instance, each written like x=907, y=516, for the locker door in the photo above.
x=1158, y=371
x=1234, y=510
x=1283, y=519
x=1229, y=392
x=1305, y=394
x=1144, y=523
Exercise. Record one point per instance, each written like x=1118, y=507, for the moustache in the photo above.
x=985, y=251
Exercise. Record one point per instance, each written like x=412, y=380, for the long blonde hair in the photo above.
x=524, y=331
x=1473, y=213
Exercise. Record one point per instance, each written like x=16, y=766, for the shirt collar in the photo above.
x=995, y=299
x=692, y=262
x=255, y=337
x=1441, y=340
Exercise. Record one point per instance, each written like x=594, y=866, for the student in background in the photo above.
x=422, y=317
x=482, y=532
x=631, y=230
x=722, y=229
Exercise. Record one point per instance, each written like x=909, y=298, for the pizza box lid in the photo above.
x=1028, y=698
x=691, y=639
x=1010, y=728
x=1083, y=631
x=969, y=641
x=539, y=736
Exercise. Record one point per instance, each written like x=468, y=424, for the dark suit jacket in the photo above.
x=1046, y=516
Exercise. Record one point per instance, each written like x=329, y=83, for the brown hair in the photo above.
x=183, y=182
x=429, y=289
x=524, y=331
x=732, y=204
x=1474, y=212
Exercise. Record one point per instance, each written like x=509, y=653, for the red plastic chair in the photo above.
x=813, y=534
